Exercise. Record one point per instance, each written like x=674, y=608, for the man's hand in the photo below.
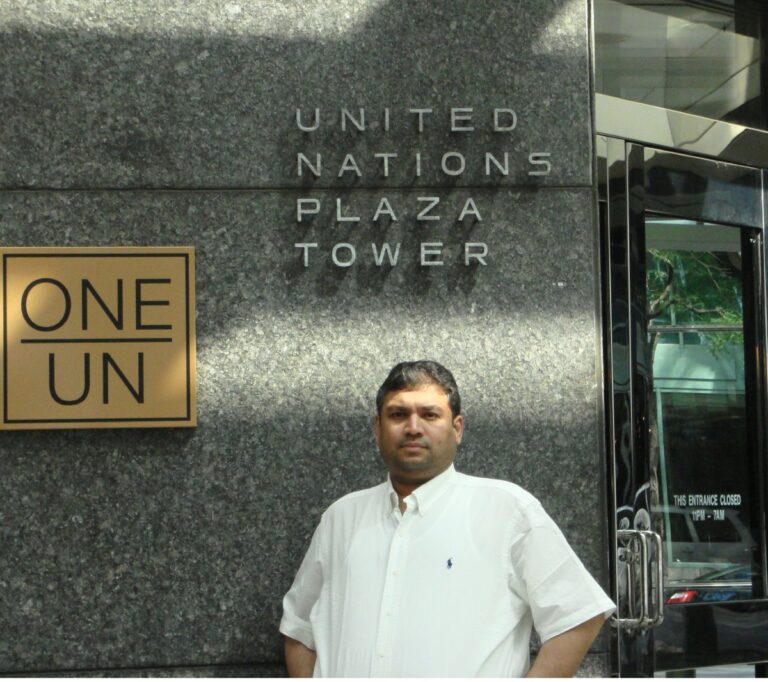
x=561, y=655
x=299, y=660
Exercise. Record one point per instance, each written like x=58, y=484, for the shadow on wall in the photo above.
x=171, y=548
x=196, y=96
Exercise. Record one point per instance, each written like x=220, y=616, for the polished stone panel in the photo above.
x=594, y=665
x=166, y=552
x=172, y=548
x=130, y=93
x=247, y=670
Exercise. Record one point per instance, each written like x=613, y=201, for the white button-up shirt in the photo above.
x=450, y=588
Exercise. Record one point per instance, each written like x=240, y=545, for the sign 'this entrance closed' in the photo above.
x=98, y=337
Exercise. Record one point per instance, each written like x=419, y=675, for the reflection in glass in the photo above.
x=701, y=58
x=717, y=671
x=695, y=311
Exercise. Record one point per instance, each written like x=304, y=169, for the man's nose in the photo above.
x=413, y=424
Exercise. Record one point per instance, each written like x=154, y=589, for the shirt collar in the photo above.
x=426, y=494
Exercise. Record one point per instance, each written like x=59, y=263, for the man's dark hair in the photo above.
x=418, y=373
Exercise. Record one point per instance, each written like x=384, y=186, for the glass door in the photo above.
x=684, y=327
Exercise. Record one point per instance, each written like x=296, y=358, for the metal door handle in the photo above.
x=635, y=552
x=632, y=551
x=658, y=617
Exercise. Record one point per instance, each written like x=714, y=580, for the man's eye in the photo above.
x=430, y=415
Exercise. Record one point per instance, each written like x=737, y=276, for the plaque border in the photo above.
x=103, y=420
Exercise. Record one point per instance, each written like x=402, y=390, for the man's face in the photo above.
x=416, y=433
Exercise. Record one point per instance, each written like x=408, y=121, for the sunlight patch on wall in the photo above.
x=564, y=31
x=287, y=19
x=292, y=365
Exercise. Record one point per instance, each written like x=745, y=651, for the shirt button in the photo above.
x=394, y=572
x=381, y=655
x=388, y=613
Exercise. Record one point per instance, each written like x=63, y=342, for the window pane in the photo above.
x=696, y=57
x=694, y=288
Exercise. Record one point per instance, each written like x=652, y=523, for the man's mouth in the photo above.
x=414, y=445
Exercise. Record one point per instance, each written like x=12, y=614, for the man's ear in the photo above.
x=458, y=427
x=376, y=428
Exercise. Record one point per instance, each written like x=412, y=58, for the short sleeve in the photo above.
x=550, y=577
x=305, y=591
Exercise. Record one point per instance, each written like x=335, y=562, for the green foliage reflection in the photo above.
x=694, y=288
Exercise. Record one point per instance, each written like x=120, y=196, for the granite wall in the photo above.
x=130, y=122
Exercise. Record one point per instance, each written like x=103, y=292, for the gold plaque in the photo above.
x=98, y=337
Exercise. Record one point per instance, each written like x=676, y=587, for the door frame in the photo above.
x=677, y=131
x=623, y=128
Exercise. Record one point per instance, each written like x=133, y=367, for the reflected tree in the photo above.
x=692, y=289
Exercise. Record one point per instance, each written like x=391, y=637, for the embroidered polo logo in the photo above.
x=449, y=563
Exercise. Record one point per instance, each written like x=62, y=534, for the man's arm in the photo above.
x=561, y=655
x=299, y=660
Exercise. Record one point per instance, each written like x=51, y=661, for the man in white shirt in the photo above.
x=434, y=573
